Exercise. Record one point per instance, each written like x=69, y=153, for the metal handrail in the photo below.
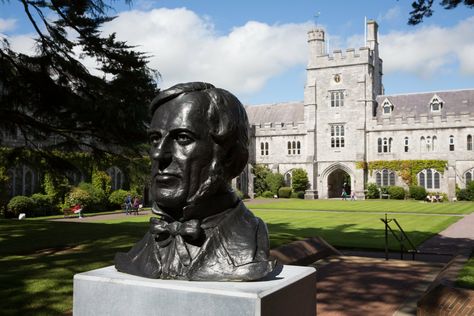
x=398, y=237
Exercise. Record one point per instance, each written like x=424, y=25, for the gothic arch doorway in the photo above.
x=337, y=181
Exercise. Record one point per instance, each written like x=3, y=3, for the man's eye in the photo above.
x=184, y=139
x=155, y=139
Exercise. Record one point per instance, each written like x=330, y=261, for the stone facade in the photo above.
x=346, y=119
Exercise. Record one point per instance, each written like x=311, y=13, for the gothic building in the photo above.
x=346, y=121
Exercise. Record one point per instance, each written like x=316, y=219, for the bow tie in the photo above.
x=165, y=233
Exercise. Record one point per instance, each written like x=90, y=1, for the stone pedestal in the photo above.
x=310, y=194
x=108, y=292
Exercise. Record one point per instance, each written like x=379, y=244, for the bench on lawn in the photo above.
x=385, y=195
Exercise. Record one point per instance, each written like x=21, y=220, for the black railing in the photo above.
x=399, y=236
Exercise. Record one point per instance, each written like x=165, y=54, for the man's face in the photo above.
x=181, y=152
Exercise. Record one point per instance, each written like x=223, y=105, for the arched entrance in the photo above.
x=337, y=181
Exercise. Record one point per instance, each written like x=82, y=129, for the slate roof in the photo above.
x=415, y=104
x=278, y=112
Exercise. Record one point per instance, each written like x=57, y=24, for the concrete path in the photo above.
x=456, y=239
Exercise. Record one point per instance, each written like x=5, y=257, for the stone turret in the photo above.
x=316, y=44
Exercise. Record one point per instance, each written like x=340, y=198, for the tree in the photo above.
x=52, y=99
x=423, y=8
x=299, y=180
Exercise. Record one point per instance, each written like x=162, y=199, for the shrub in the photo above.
x=463, y=195
x=98, y=201
x=297, y=195
x=396, y=192
x=372, y=191
x=260, y=185
x=43, y=205
x=117, y=198
x=274, y=182
x=417, y=192
x=78, y=196
x=299, y=180
x=267, y=194
x=284, y=192
x=21, y=204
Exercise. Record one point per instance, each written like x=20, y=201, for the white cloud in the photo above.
x=185, y=47
x=7, y=25
x=392, y=14
x=24, y=43
x=430, y=50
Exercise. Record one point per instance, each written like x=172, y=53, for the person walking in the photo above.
x=128, y=204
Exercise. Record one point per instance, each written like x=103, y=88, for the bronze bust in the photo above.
x=203, y=231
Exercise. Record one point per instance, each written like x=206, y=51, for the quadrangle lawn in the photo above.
x=39, y=258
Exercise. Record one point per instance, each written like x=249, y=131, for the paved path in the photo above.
x=367, y=286
x=456, y=239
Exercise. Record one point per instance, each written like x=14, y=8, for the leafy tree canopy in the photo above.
x=53, y=102
x=424, y=8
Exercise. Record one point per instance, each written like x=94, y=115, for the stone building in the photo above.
x=346, y=122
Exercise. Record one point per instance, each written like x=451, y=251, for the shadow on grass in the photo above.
x=39, y=259
x=340, y=236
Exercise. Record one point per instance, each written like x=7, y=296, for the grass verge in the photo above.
x=381, y=206
x=466, y=275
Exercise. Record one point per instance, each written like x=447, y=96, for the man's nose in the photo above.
x=162, y=153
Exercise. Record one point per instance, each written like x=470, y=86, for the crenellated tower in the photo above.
x=339, y=97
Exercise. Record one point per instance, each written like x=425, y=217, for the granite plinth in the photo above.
x=109, y=292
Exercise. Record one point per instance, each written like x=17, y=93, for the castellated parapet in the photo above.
x=411, y=121
x=350, y=57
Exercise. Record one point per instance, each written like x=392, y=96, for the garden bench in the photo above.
x=385, y=195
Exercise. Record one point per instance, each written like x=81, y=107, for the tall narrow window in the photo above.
x=469, y=142
x=294, y=147
x=422, y=144
x=262, y=149
x=266, y=149
x=429, y=178
x=451, y=143
x=378, y=179
x=289, y=148
x=379, y=145
x=337, y=136
x=387, y=144
x=406, y=144
x=385, y=177
x=434, y=143
x=337, y=99
x=468, y=177
x=298, y=148
x=428, y=143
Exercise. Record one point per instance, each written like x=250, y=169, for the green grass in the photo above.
x=38, y=259
x=348, y=230
x=466, y=275
x=382, y=206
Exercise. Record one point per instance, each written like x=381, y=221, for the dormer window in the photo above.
x=387, y=107
x=436, y=104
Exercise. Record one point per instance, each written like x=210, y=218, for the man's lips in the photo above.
x=165, y=176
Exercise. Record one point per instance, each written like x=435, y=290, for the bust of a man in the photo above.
x=202, y=230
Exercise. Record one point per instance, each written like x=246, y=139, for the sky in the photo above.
x=258, y=49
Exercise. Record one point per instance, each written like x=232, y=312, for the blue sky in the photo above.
x=257, y=49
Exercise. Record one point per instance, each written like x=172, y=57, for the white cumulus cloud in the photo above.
x=185, y=47
x=430, y=50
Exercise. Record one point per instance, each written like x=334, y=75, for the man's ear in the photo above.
x=234, y=162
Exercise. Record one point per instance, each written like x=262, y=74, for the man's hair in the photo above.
x=228, y=122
